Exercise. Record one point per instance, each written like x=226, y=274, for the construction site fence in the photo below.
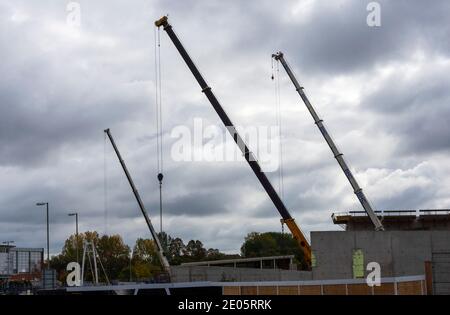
x=408, y=285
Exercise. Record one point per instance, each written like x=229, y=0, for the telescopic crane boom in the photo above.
x=159, y=249
x=338, y=155
x=249, y=157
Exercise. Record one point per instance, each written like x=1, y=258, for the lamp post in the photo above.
x=8, y=244
x=75, y=214
x=131, y=257
x=48, y=233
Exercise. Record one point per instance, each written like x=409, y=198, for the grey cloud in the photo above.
x=58, y=92
x=416, y=110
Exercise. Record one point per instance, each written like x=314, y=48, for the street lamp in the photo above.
x=131, y=257
x=48, y=234
x=75, y=214
x=8, y=244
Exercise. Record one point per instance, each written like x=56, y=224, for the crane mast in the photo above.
x=279, y=56
x=159, y=249
x=249, y=157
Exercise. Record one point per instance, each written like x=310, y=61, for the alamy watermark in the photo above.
x=374, y=17
x=374, y=277
x=73, y=278
x=210, y=143
x=73, y=18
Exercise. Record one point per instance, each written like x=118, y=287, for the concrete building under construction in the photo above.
x=415, y=247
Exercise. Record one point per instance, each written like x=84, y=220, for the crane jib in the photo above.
x=229, y=125
x=159, y=251
x=279, y=56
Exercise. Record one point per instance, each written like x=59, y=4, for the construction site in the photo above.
x=246, y=150
x=378, y=252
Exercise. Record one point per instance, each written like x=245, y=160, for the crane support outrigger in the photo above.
x=159, y=249
x=249, y=157
x=279, y=56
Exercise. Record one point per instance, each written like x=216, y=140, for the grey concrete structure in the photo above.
x=399, y=253
x=271, y=262
x=224, y=274
x=441, y=273
x=396, y=220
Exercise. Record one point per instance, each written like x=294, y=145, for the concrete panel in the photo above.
x=410, y=250
x=441, y=289
x=229, y=274
x=399, y=253
x=441, y=272
x=376, y=247
x=290, y=275
x=440, y=241
x=333, y=252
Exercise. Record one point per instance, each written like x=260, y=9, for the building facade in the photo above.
x=16, y=260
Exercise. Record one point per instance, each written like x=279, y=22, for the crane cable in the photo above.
x=159, y=125
x=276, y=78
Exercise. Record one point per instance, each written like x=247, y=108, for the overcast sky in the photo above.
x=382, y=91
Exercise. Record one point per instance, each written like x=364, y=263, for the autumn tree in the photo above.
x=145, y=262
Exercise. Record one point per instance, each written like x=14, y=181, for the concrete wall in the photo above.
x=399, y=253
x=401, y=223
x=204, y=273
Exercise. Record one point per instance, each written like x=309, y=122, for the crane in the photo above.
x=249, y=157
x=159, y=249
x=279, y=56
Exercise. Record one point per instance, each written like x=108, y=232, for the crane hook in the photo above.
x=160, y=177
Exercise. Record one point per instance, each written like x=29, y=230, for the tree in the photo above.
x=145, y=261
x=271, y=244
x=69, y=253
x=165, y=240
x=214, y=254
x=113, y=253
x=176, y=251
x=115, y=256
x=195, y=251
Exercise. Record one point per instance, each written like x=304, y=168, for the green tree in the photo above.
x=165, y=240
x=145, y=261
x=271, y=244
x=214, y=254
x=69, y=253
x=176, y=251
x=195, y=251
x=113, y=253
